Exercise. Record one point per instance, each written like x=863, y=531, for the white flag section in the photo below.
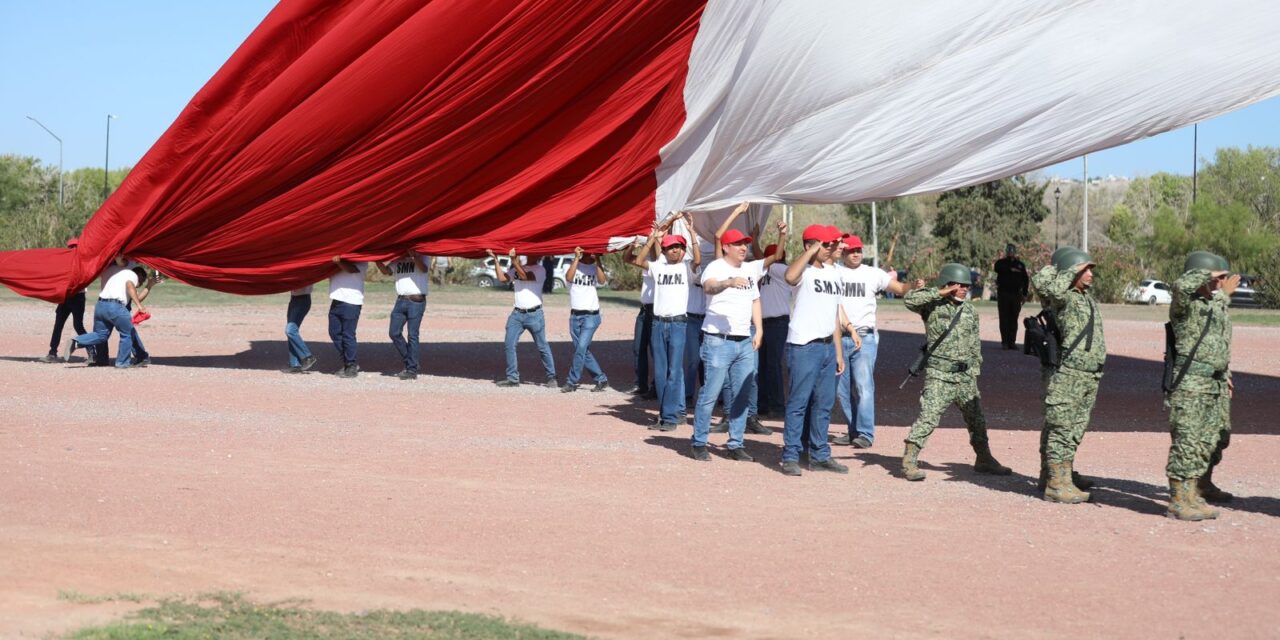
x=830, y=101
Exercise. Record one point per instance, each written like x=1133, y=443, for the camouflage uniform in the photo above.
x=1200, y=416
x=951, y=375
x=1072, y=390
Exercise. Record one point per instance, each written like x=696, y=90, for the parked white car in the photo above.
x=1150, y=292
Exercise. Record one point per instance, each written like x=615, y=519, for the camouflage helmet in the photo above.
x=1203, y=260
x=1071, y=259
x=954, y=272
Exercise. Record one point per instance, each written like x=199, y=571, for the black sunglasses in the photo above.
x=831, y=245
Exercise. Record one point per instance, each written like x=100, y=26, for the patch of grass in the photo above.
x=233, y=617
x=77, y=597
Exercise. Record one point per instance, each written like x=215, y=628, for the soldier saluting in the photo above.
x=1072, y=388
x=953, y=362
x=1200, y=391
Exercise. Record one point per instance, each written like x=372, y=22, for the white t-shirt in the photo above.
x=114, y=279
x=582, y=291
x=729, y=312
x=528, y=292
x=859, y=297
x=817, y=301
x=410, y=281
x=348, y=287
x=646, y=285
x=775, y=293
x=697, y=299
x=670, y=287
x=305, y=291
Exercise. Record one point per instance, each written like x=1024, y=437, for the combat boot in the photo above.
x=1184, y=503
x=911, y=463
x=1210, y=491
x=1082, y=483
x=987, y=463
x=1060, y=488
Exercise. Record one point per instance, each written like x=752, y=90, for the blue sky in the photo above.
x=69, y=63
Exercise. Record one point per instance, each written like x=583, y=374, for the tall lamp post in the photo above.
x=1057, y=215
x=55, y=137
x=107, y=160
x=1084, y=215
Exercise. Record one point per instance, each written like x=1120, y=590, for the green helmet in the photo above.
x=1071, y=259
x=1058, y=253
x=1204, y=260
x=1223, y=265
x=953, y=272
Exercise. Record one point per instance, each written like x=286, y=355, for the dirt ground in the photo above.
x=210, y=470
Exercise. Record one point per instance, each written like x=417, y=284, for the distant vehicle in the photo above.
x=484, y=276
x=1244, y=295
x=1150, y=292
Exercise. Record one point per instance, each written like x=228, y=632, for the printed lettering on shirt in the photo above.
x=855, y=289
x=584, y=279
x=405, y=266
x=670, y=278
x=827, y=287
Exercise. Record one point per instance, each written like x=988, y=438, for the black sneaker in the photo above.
x=754, y=426
x=291, y=370
x=720, y=427
x=664, y=426
x=407, y=375
x=50, y=359
x=508, y=382
x=842, y=440
x=307, y=363
x=551, y=383
x=141, y=363
x=790, y=468
x=601, y=385
x=700, y=454
x=349, y=371
x=637, y=390
x=568, y=388
x=827, y=465
x=740, y=455
x=861, y=442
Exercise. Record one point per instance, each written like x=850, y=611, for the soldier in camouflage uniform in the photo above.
x=951, y=373
x=1072, y=387
x=1200, y=403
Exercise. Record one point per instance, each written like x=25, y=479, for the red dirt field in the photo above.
x=209, y=470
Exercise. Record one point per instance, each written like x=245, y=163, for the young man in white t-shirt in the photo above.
x=584, y=275
x=346, y=295
x=815, y=355
x=732, y=333
x=857, y=385
x=671, y=278
x=410, y=272
x=119, y=287
x=527, y=315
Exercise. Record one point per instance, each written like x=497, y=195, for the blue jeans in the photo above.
x=728, y=364
x=752, y=390
x=692, y=357
x=640, y=344
x=536, y=324
x=858, y=386
x=813, y=389
x=668, y=368
x=108, y=315
x=299, y=306
x=769, y=376
x=408, y=312
x=343, y=318
x=582, y=329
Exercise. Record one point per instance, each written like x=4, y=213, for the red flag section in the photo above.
x=368, y=127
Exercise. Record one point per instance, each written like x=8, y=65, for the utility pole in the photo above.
x=875, y=237
x=1195, y=160
x=1084, y=241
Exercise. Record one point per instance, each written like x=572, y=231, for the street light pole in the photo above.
x=1084, y=240
x=1195, y=160
x=1057, y=215
x=55, y=137
x=875, y=237
x=107, y=160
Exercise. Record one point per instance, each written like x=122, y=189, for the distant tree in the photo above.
x=975, y=223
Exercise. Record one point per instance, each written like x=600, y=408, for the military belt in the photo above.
x=949, y=366
x=1095, y=369
x=1203, y=370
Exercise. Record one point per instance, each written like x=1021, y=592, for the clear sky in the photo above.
x=69, y=63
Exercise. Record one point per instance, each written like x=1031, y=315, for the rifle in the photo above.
x=926, y=350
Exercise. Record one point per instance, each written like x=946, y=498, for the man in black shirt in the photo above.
x=1011, y=292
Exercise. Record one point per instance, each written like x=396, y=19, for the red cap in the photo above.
x=140, y=317
x=672, y=240
x=768, y=251
x=733, y=236
x=821, y=233
x=852, y=241
x=73, y=243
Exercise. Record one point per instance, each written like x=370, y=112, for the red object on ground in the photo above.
x=141, y=317
x=365, y=128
